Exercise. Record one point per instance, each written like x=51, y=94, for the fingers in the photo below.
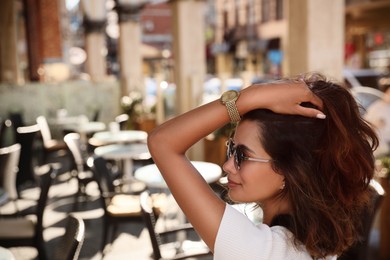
x=310, y=112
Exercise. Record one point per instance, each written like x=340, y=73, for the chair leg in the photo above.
x=105, y=235
x=113, y=233
x=42, y=252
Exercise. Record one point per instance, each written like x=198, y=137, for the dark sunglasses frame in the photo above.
x=239, y=156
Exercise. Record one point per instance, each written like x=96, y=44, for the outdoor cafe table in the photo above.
x=152, y=177
x=122, y=137
x=126, y=153
x=85, y=128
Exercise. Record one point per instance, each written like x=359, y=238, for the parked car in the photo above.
x=364, y=85
x=362, y=77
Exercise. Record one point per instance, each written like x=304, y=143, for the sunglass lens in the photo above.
x=229, y=151
x=237, y=157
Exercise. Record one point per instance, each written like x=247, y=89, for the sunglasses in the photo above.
x=238, y=153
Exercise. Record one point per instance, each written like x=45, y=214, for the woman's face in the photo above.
x=254, y=181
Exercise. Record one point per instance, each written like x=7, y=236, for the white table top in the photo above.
x=86, y=127
x=123, y=136
x=66, y=120
x=151, y=176
x=123, y=151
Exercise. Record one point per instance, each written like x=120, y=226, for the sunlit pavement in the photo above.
x=132, y=240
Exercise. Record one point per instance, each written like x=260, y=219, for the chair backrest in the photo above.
x=359, y=251
x=72, y=241
x=122, y=120
x=103, y=175
x=74, y=143
x=9, y=160
x=46, y=180
x=96, y=115
x=25, y=135
x=16, y=119
x=7, y=133
x=150, y=222
x=45, y=129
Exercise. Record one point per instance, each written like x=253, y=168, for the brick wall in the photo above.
x=50, y=28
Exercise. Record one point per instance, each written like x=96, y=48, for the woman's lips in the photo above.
x=231, y=184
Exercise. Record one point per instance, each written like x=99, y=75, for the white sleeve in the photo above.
x=239, y=238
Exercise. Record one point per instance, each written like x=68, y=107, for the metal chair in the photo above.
x=9, y=160
x=7, y=137
x=26, y=136
x=72, y=241
x=50, y=145
x=17, y=120
x=122, y=120
x=24, y=231
x=178, y=250
x=118, y=208
x=79, y=154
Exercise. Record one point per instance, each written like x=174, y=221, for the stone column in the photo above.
x=10, y=71
x=315, y=37
x=189, y=52
x=94, y=23
x=129, y=48
x=34, y=38
x=95, y=48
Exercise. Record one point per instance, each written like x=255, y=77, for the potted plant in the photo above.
x=139, y=117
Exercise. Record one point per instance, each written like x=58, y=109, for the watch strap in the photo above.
x=233, y=111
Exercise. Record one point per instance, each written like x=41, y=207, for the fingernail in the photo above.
x=321, y=116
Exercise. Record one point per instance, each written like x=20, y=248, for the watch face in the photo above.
x=229, y=95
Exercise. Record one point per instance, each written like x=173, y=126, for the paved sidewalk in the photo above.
x=132, y=240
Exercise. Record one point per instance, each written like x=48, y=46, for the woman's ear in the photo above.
x=283, y=185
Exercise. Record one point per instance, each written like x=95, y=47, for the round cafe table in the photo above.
x=152, y=177
x=85, y=128
x=126, y=153
x=123, y=136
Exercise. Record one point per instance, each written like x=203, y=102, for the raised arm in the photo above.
x=169, y=142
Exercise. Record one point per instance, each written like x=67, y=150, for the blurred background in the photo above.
x=121, y=65
x=85, y=56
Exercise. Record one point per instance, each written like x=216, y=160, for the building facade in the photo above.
x=263, y=39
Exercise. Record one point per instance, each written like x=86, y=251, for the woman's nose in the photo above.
x=228, y=166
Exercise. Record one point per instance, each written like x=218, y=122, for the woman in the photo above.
x=301, y=151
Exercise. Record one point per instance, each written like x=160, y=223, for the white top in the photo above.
x=239, y=238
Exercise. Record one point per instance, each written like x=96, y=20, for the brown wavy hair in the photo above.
x=327, y=165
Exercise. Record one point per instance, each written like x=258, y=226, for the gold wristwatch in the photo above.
x=229, y=99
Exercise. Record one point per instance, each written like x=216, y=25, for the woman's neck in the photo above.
x=274, y=208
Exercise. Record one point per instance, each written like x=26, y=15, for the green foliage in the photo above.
x=132, y=105
x=384, y=167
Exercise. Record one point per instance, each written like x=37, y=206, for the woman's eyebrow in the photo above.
x=246, y=148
